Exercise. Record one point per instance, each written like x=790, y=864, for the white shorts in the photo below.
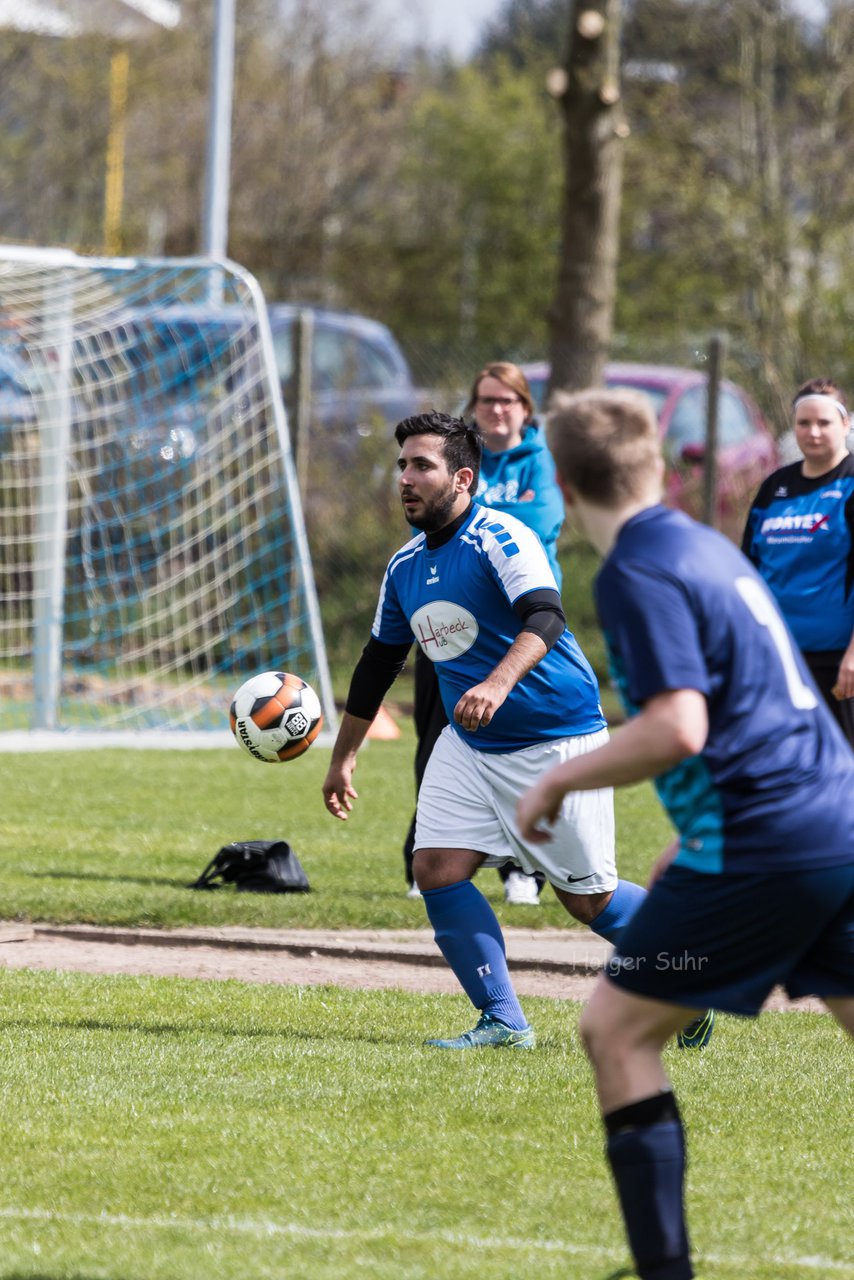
x=468, y=799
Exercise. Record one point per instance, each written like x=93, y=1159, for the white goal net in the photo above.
x=152, y=548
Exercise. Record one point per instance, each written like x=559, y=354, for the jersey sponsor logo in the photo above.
x=808, y=523
x=444, y=630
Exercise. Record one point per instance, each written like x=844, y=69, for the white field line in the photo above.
x=267, y=1228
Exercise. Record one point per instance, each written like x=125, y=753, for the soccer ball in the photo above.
x=275, y=716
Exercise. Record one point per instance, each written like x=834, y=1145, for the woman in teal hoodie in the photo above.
x=517, y=475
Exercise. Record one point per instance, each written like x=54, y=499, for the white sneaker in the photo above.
x=521, y=890
x=413, y=891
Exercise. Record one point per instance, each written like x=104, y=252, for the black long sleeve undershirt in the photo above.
x=539, y=612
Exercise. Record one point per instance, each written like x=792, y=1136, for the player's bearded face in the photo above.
x=432, y=513
x=429, y=492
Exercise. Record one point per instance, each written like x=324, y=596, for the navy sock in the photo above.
x=646, y=1150
x=625, y=901
x=469, y=936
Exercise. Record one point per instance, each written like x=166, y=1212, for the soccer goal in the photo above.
x=153, y=554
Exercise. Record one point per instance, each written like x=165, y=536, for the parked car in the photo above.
x=359, y=375
x=747, y=451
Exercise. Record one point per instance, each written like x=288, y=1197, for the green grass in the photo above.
x=161, y=1128
x=114, y=837
x=172, y=1130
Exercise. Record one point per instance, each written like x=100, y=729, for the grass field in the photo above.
x=115, y=836
x=173, y=1130
x=162, y=1128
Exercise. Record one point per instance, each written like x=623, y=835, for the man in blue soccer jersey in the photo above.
x=758, y=889
x=475, y=589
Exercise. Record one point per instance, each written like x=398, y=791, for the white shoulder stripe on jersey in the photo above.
x=400, y=557
x=406, y=552
x=526, y=568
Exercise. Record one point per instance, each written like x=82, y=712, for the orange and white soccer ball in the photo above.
x=275, y=716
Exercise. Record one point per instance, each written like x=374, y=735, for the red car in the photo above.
x=747, y=451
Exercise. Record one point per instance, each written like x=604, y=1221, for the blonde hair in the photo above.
x=605, y=444
x=512, y=376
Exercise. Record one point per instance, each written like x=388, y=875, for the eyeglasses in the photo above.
x=494, y=402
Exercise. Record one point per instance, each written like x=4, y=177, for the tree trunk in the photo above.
x=772, y=253
x=581, y=317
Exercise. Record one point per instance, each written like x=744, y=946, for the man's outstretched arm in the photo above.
x=479, y=704
x=375, y=672
x=338, y=789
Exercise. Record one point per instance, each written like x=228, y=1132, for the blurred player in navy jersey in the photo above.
x=758, y=888
x=476, y=591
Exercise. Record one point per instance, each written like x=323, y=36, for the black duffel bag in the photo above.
x=255, y=866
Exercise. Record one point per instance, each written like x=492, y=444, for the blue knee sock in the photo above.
x=469, y=936
x=646, y=1150
x=625, y=901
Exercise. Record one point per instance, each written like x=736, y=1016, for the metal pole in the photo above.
x=115, y=181
x=215, y=219
x=303, y=343
x=52, y=512
x=717, y=348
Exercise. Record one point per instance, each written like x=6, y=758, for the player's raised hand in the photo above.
x=338, y=791
x=537, y=809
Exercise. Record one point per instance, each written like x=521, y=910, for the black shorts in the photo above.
x=725, y=941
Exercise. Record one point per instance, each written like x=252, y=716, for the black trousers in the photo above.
x=430, y=720
x=823, y=669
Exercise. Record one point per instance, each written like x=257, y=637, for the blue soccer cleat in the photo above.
x=698, y=1033
x=489, y=1034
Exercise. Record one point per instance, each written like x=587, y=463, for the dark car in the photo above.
x=747, y=451
x=359, y=375
x=167, y=369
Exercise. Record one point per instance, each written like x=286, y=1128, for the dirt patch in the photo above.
x=556, y=967
x=257, y=965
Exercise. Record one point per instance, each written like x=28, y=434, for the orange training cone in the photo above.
x=383, y=727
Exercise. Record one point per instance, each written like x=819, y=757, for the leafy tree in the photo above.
x=53, y=135
x=525, y=31
x=462, y=254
